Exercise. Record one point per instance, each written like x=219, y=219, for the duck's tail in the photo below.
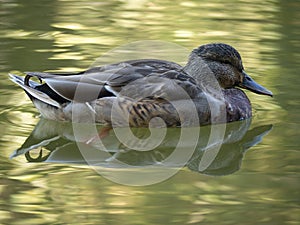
x=30, y=87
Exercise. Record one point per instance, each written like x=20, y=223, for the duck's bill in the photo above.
x=251, y=85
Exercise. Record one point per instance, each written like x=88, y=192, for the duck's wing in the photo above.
x=85, y=86
x=32, y=92
x=171, y=86
x=102, y=81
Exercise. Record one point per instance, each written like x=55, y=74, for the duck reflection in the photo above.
x=56, y=142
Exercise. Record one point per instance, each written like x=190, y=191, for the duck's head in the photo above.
x=226, y=64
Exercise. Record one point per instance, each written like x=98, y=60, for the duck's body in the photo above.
x=134, y=92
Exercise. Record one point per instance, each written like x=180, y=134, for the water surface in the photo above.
x=254, y=181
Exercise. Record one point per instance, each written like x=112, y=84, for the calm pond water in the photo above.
x=254, y=177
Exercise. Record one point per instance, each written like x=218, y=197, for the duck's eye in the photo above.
x=226, y=61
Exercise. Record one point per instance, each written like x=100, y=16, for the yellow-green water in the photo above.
x=262, y=186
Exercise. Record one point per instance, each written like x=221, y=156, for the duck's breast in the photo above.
x=238, y=106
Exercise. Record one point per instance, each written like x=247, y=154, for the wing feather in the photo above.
x=33, y=92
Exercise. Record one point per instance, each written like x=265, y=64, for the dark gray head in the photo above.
x=221, y=53
x=226, y=64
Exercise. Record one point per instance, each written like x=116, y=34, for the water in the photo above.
x=254, y=179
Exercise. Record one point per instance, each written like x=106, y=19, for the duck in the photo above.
x=148, y=92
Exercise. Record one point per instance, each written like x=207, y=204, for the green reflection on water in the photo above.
x=70, y=35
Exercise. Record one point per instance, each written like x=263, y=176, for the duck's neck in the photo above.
x=199, y=69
